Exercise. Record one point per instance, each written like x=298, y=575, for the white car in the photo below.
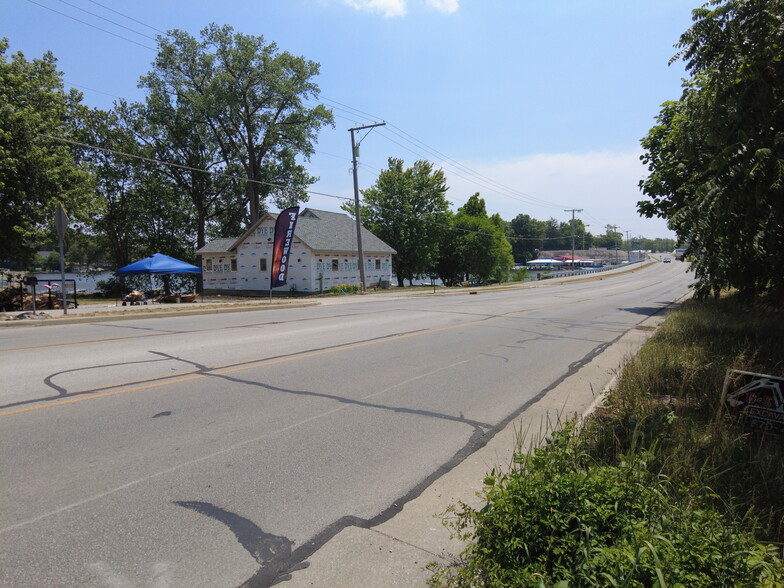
x=666, y=260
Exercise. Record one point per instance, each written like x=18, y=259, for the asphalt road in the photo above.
x=222, y=450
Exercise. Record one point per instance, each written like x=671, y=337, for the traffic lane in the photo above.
x=55, y=374
x=52, y=374
x=542, y=335
x=345, y=466
x=216, y=392
x=449, y=388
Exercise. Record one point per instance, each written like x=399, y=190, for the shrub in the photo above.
x=559, y=518
x=344, y=289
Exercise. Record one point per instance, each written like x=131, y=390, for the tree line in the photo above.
x=408, y=209
x=223, y=131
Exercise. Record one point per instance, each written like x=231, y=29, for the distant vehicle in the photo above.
x=666, y=260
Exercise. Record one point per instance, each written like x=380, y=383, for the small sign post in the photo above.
x=61, y=220
x=756, y=400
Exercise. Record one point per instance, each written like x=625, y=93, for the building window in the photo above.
x=263, y=264
x=378, y=264
x=335, y=265
x=234, y=265
x=208, y=265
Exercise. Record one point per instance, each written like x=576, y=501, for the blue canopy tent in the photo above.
x=158, y=264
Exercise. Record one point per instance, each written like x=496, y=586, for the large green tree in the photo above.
x=252, y=97
x=169, y=131
x=484, y=249
x=716, y=156
x=407, y=208
x=137, y=209
x=36, y=171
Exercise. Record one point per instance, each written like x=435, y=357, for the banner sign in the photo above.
x=756, y=400
x=284, y=236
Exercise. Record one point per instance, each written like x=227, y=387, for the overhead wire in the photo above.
x=246, y=179
x=122, y=26
x=452, y=164
x=128, y=17
x=92, y=25
x=180, y=166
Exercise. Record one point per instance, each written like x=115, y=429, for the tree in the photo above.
x=716, y=156
x=36, y=172
x=252, y=99
x=408, y=209
x=172, y=132
x=137, y=209
x=485, y=251
x=527, y=236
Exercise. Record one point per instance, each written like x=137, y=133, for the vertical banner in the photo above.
x=284, y=236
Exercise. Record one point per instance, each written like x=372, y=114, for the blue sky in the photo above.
x=538, y=105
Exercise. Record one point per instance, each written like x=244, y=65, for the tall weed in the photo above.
x=670, y=395
x=560, y=518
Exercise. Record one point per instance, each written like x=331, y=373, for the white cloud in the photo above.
x=389, y=8
x=446, y=6
x=385, y=7
x=602, y=183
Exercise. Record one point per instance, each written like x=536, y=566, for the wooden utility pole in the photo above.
x=354, y=155
x=615, y=229
x=573, y=211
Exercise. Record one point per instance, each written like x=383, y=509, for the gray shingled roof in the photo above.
x=217, y=246
x=334, y=231
x=321, y=231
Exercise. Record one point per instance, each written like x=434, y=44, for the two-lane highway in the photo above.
x=221, y=450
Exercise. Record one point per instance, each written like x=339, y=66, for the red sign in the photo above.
x=284, y=237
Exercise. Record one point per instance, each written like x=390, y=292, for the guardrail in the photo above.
x=578, y=272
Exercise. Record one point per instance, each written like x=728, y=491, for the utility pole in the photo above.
x=573, y=211
x=628, y=247
x=615, y=230
x=354, y=155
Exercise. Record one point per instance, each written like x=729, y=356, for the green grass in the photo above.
x=658, y=488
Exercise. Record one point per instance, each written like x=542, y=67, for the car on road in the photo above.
x=667, y=260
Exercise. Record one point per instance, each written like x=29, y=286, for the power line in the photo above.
x=180, y=166
x=107, y=20
x=454, y=165
x=128, y=17
x=92, y=25
x=245, y=179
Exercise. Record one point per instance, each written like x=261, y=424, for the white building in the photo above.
x=324, y=254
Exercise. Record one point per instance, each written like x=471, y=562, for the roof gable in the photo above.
x=320, y=230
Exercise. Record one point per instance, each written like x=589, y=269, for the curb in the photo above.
x=136, y=313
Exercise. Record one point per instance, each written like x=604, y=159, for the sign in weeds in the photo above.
x=756, y=400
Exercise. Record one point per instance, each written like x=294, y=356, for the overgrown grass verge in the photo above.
x=658, y=488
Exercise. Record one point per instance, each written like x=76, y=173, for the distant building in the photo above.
x=324, y=254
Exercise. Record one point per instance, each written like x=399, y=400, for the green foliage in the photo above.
x=559, y=518
x=407, y=209
x=483, y=249
x=36, y=172
x=344, y=289
x=251, y=98
x=669, y=396
x=716, y=156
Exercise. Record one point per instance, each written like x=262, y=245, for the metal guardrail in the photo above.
x=579, y=272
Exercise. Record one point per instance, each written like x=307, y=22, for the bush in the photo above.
x=559, y=518
x=344, y=289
